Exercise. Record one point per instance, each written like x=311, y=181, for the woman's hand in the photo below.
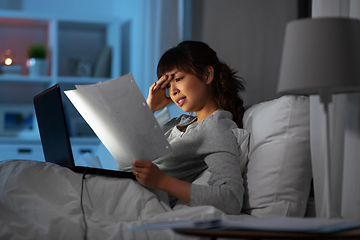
x=147, y=173
x=157, y=98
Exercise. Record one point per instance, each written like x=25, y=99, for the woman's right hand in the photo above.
x=157, y=98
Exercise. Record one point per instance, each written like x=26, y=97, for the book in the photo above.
x=118, y=113
x=10, y=69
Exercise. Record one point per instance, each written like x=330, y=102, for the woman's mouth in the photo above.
x=180, y=101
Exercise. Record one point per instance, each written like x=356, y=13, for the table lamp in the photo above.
x=321, y=56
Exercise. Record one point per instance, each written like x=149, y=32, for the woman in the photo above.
x=198, y=82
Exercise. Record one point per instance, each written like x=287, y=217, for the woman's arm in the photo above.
x=148, y=174
x=225, y=185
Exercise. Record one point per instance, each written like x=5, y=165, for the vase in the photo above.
x=37, y=66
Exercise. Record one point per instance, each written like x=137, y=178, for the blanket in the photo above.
x=40, y=200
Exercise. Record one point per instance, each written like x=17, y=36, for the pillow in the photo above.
x=278, y=175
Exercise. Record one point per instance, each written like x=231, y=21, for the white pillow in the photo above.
x=278, y=177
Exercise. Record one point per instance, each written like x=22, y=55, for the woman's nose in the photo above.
x=173, y=90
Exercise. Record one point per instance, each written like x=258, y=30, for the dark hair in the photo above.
x=195, y=57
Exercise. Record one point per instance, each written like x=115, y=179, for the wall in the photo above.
x=248, y=35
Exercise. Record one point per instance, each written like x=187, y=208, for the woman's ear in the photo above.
x=209, y=74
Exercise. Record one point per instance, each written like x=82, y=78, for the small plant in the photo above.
x=37, y=51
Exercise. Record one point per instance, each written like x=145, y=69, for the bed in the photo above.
x=39, y=200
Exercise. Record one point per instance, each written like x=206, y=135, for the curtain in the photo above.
x=155, y=26
x=344, y=134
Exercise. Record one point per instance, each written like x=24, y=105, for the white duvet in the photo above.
x=40, y=200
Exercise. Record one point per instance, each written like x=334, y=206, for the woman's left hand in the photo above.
x=147, y=173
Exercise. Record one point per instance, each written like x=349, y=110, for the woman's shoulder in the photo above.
x=221, y=120
x=222, y=133
x=220, y=125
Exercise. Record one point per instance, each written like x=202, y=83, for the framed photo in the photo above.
x=16, y=119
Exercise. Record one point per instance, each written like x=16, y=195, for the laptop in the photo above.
x=55, y=138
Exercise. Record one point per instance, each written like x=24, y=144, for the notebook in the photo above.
x=55, y=137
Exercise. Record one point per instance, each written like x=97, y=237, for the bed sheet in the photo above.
x=41, y=200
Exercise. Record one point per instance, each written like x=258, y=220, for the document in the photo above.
x=118, y=113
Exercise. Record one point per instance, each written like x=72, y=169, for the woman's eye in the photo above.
x=167, y=86
x=177, y=79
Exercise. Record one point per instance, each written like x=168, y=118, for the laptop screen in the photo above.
x=53, y=128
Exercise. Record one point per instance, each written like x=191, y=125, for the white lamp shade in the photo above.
x=321, y=54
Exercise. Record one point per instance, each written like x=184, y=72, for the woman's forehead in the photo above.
x=173, y=72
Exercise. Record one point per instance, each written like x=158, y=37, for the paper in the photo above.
x=117, y=112
x=279, y=224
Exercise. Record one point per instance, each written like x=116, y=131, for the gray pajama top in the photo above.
x=212, y=145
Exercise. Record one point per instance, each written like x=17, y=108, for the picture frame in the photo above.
x=17, y=119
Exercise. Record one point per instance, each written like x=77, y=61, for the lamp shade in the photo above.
x=320, y=54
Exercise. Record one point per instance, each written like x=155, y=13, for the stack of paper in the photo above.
x=277, y=224
x=117, y=112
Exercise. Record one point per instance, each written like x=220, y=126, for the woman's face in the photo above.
x=189, y=92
